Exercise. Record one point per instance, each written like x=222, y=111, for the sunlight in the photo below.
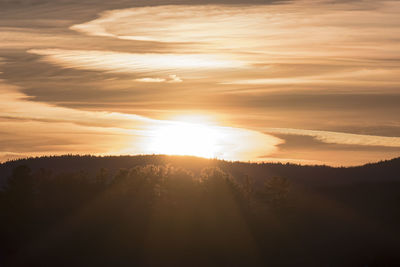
x=201, y=136
x=182, y=138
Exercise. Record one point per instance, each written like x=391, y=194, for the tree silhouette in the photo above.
x=275, y=192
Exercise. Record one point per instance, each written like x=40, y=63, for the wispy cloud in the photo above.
x=172, y=78
x=351, y=40
x=134, y=63
x=150, y=80
x=350, y=77
x=340, y=138
x=278, y=28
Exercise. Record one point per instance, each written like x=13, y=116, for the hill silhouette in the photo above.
x=177, y=211
x=312, y=175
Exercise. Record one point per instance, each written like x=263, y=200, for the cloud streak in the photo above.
x=172, y=78
x=133, y=63
x=340, y=138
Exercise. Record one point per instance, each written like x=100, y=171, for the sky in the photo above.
x=305, y=81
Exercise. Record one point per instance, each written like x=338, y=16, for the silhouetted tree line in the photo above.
x=153, y=215
x=311, y=176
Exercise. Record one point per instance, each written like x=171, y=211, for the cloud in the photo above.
x=298, y=148
x=349, y=77
x=174, y=79
x=171, y=79
x=340, y=138
x=134, y=63
x=150, y=80
x=350, y=40
x=279, y=28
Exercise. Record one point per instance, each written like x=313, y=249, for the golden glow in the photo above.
x=199, y=136
x=187, y=139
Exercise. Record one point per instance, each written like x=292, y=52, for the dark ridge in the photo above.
x=309, y=175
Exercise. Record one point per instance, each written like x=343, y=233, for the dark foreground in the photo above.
x=183, y=211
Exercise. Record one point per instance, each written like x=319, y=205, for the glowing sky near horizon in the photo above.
x=301, y=81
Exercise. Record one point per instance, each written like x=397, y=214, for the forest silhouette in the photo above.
x=160, y=210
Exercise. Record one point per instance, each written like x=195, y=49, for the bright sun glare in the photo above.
x=203, y=137
x=183, y=138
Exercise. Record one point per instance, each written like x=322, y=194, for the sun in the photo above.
x=203, y=136
x=183, y=138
